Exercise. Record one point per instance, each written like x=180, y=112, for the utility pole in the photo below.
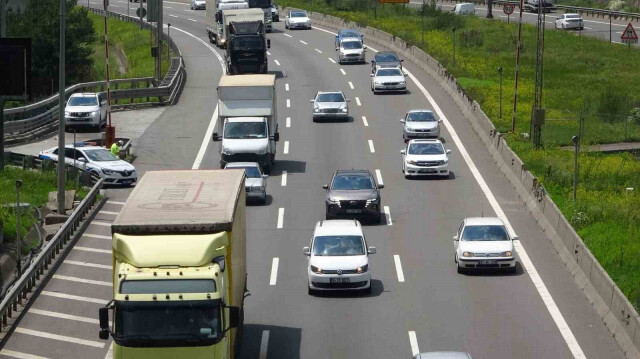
x=576, y=146
x=61, y=104
x=159, y=34
x=515, y=91
x=490, y=9
x=110, y=135
x=537, y=114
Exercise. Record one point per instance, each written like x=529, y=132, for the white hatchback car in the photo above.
x=426, y=157
x=297, y=19
x=569, y=21
x=484, y=242
x=339, y=257
x=97, y=160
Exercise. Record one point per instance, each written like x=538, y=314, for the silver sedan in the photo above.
x=330, y=105
x=255, y=183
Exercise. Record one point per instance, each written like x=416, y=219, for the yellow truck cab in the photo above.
x=179, y=267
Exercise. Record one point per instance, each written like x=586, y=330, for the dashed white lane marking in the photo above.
x=288, y=122
x=82, y=280
x=387, y=214
x=283, y=181
x=168, y=7
x=109, y=213
x=274, y=271
x=371, y=148
x=264, y=345
x=62, y=338
x=396, y=260
x=173, y=15
x=194, y=20
x=87, y=249
x=286, y=87
x=286, y=147
x=116, y=203
x=74, y=297
x=268, y=53
x=344, y=73
x=287, y=35
x=413, y=341
x=379, y=176
x=99, y=236
x=104, y=224
x=332, y=60
x=303, y=42
x=288, y=103
x=351, y=85
x=87, y=264
x=318, y=51
x=358, y=101
x=364, y=120
x=277, y=62
x=19, y=355
x=280, y=217
x=63, y=316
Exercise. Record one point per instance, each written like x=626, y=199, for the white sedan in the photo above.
x=484, y=242
x=97, y=160
x=569, y=21
x=388, y=79
x=425, y=157
x=297, y=19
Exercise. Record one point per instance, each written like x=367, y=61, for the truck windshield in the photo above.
x=247, y=43
x=167, y=324
x=238, y=130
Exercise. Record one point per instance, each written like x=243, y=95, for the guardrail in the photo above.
x=23, y=124
x=40, y=265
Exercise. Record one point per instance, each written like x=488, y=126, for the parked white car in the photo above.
x=338, y=257
x=569, y=21
x=351, y=49
x=97, y=160
x=426, y=157
x=466, y=8
x=86, y=110
x=484, y=242
x=297, y=19
x=256, y=183
x=388, y=80
x=420, y=124
x=198, y=4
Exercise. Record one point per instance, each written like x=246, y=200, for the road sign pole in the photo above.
x=61, y=104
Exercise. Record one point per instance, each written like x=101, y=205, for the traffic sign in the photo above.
x=508, y=8
x=629, y=35
x=141, y=12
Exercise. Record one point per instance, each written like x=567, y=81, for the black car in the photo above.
x=385, y=59
x=353, y=193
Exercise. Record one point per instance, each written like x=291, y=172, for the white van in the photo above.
x=466, y=8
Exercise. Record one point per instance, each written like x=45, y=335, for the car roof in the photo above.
x=84, y=94
x=483, y=221
x=416, y=111
x=348, y=31
x=241, y=164
x=353, y=172
x=350, y=39
x=386, y=53
x=425, y=140
x=443, y=355
x=330, y=92
x=338, y=226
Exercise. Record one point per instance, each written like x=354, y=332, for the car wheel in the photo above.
x=377, y=219
x=286, y=26
x=461, y=270
x=367, y=291
x=512, y=270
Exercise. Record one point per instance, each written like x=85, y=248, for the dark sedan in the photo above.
x=353, y=193
x=385, y=59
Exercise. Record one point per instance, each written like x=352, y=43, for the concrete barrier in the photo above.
x=617, y=313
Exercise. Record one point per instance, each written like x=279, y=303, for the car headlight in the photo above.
x=107, y=172
x=94, y=113
x=315, y=269
x=362, y=269
x=331, y=200
x=373, y=200
x=377, y=83
x=67, y=113
x=409, y=129
x=467, y=254
x=344, y=109
x=315, y=109
x=403, y=82
x=506, y=254
x=412, y=162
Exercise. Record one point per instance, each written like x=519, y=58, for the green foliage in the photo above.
x=612, y=106
x=471, y=38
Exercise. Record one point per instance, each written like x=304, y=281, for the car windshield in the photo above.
x=247, y=43
x=240, y=130
x=389, y=72
x=386, y=58
x=330, y=97
x=338, y=246
x=100, y=155
x=426, y=149
x=352, y=182
x=349, y=33
x=485, y=233
x=298, y=14
x=351, y=45
x=82, y=101
x=250, y=171
x=421, y=117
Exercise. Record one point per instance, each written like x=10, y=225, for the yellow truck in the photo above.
x=179, y=267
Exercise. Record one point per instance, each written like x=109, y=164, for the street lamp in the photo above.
x=453, y=30
x=18, y=185
x=576, y=146
x=500, y=74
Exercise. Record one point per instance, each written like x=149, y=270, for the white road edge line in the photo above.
x=116, y=203
x=351, y=85
x=413, y=341
x=274, y=271
x=379, y=176
x=358, y=101
x=396, y=260
x=264, y=343
x=268, y=53
x=287, y=35
x=19, y=355
x=344, y=73
x=74, y=297
x=109, y=213
x=371, y=148
x=99, y=236
x=283, y=182
x=82, y=280
x=49, y=313
x=173, y=15
x=364, y=120
x=286, y=148
x=387, y=214
x=280, y=217
x=288, y=122
x=99, y=223
x=194, y=20
x=87, y=249
x=86, y=264
x=62, y=338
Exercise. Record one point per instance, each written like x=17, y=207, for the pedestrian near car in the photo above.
x=115, y=148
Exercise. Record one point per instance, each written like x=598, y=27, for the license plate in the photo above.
x=427, y=170
x=339, y=280
x=488, y=262
x=354, y=211
x=126, y=181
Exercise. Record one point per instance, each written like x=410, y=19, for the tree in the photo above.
x=40, y=22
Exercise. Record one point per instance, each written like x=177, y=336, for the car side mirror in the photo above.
x=348, y=100
x=401, y=60
x=276, y=136
x=312, y=101
x=515, y=237
x=82, y=159
x=448, y=151
x=439, y=120
x=372, y=75
x=337, y=48
x=371, y=250
x=402, y=120
x=306, y=251
x=455, y=238
x=380, y=186
x=265, y=176
x=234, y=317
x=268, y=43
x=103, y=315
x=215, y=137
x=404, y=152
x=325, y=186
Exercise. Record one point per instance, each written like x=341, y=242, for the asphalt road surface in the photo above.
x=418, y=303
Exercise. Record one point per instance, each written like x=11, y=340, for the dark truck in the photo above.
x=246, y=51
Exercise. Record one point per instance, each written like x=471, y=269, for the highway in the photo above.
x=418, y=303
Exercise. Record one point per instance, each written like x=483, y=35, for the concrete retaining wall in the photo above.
x=611, y=305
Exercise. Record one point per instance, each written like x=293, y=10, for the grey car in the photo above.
x=353, y=193
x=330, y=105
x=255, y=183
x=420, y=124
x=385, y=59
x=443, y=355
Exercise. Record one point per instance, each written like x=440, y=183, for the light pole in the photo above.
x=61, y=104
x=576, y=145
x=422, y=19
x=500, y=74
x=18, y=185
x=453, y=30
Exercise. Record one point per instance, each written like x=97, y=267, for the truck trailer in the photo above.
x=179, y=267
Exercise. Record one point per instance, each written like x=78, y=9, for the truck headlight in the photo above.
x=262, y=151
x=315, y=269
x=362, y=269
x=226, y=151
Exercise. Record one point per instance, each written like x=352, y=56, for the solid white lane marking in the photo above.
x=364, y=120
x=379, y=176
x=87, y=264
x=286, y=87
x=87, y=249
x=288, y=103
x=387, y=214
x=62, y=338
x=109, y=213
x=98, y=223
x=332, y=60
x=82, y=280
x=264, y=344
x=371, y=148
x=194, y=20
x=19, y=355
x=283, y=182
x=287, y=35
x=288, y=122
x=344, y=73
x=396, y=260
x=116, y=202
x=286, y=147
x=274, y=271
x=358, y=101
x=99, y=236
x=303, y=42
x=168, y=7
x=277, y=62
x=280, y=217
x=63, y=316
x=351, y=85
x=74, y=297
x=173, y=15
x=318, y=51
x=413, y=341
x=109, y=354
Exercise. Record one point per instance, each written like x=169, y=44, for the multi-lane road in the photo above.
x=418, y=303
